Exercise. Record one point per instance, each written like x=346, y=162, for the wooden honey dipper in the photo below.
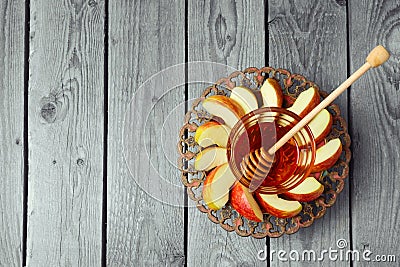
x=256, y=165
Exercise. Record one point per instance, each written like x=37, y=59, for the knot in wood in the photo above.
x=80, y=162
x=154, y=99
x=92, y=3
x=48, y=112
x=341, y=2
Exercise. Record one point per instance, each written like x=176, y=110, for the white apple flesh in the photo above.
x=210, y=158
x=212, y=133
x=327, y=155
x=305, y=102
x=308, y=190
x=271, y=93
x=216, y=186
x=321, y=125
x=245, y=97
x=225, y=108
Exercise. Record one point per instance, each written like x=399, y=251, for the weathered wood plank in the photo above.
x=309, y=37
x=66, y=126
x=375, y=127
x=145, y=37
x=231, y=33
x=11, y=131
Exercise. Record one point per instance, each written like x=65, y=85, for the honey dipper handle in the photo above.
x=375, y=58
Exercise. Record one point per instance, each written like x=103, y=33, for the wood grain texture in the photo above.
x=66, y=126
x=309, y=38
x=145, y=37
x=231, y=33
x=11, y=131
x=375, y=127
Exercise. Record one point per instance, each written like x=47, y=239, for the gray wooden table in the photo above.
x=68, y=71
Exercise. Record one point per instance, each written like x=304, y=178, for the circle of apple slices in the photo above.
x=219, y=186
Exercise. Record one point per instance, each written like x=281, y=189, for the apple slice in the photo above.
x=305, y=102
x=245, y=97
x=271, y=93
x=244, y=203
x=210, y=158
x=278, y=207
x=321, y=125
x=225, y=108
x=216, y=186
x=327, y=155
x=308, y=190
x=211, y=133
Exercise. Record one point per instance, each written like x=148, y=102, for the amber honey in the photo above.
x=265, y=134
x=262, y=128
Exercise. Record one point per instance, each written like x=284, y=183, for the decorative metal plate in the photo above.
x=227, y=217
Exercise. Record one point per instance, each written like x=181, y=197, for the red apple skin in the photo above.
x=327, y=163
x=326, y=131
x=217, y=120
x=288, y=101
x=316, y=175
x=323, y=142
x=240, y=203
x=266, y=208
x=304, y=197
